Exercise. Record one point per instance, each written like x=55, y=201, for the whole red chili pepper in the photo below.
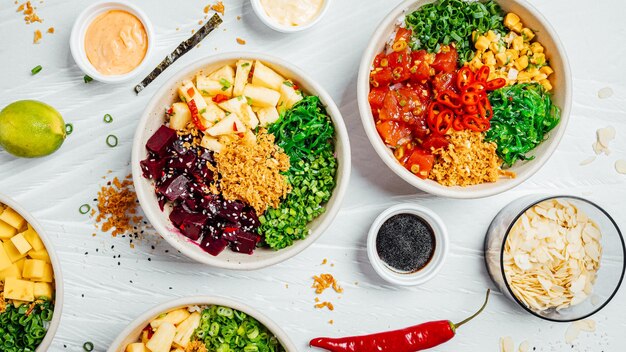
x=411, y=339
x=195, y=117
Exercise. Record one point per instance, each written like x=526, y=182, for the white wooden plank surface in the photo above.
x=100, y=298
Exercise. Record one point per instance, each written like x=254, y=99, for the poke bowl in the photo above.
x=31, y=283
x=241, y=161
x=470, y=110
x=201, y=321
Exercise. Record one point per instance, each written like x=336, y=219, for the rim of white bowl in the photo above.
x=433, y=187
x=435, y=264
x=344, y=167
x=167, y=306
x=263, y=16
x=79, y=29
x=56, y=267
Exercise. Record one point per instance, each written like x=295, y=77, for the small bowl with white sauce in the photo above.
x=407, y=244
x=111, y=41
x=290, y=16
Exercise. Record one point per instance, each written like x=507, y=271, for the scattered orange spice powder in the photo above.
x=117, y=207
x=324, y=281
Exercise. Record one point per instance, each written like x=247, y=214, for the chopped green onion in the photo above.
x=249, y=100
x=112, y=141
x=88, y=346
x=84, y=209
x=108, y=118
x=87, y=79
x=69, y=128
x=245, y=64
x=23, y=328
x=288, y=84
x=225, y=84
x=36, y=70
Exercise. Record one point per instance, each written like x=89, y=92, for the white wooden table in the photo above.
x=100, y=298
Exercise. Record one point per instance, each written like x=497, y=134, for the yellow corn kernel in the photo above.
x=538, y=59
x=475, y=64
x=536, y=47
x=489, y=59
x=528, y=34
x=510, y=20
x=501, y=59
x=539, y=77
x=512, y=54
x=521, y=63
x=533, y=71
x=517, y=28
x=547, y=70
x=524, y=76
x=496, y=48
x=482, y=43
x=492, y=36
x=518, y=43
x=546, y=84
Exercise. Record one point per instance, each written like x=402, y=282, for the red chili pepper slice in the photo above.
x=482, y=75
x=496, y=83
x=191, y=92
x=470, y=98
x=477, y=87
x=475, y=123
x=464, y=77
x=449, y=99
x=457, y=124
x=471, y=109
x=434, y=109
x=195, y=117
x=488, y=109
x=220, y=98
x=443, y=122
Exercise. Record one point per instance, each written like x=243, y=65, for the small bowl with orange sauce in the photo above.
x=111, y=41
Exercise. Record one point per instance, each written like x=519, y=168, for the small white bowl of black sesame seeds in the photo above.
x=407, y=244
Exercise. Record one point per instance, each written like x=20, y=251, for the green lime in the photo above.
x=31, y=129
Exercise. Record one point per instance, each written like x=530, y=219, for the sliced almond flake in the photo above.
x=506, y=344
x=588, y=325
x=605, y=92
x=571, y=334
x=524, y=346
x=620, y=166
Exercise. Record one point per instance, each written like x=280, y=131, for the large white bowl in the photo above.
x=562, y=97
x=152, y=119
x=56, y=266
x=133, y=330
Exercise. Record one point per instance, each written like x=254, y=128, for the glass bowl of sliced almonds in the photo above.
x=561, y=258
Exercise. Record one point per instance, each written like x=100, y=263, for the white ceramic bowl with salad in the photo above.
x=227, y=114
x=189, y=316
x=33, y=234
x=407, y=125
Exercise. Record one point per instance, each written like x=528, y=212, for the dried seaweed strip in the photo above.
x=181, y=50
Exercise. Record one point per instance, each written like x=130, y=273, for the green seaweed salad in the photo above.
x=23, y=328
x=306, y=133
x=223, y=329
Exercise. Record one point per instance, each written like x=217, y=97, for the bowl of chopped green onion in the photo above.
x=202, y=323
x=465, y=99
x=31, y=283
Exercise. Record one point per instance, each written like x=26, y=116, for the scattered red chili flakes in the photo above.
x=37, y=37
x=324, y=281
x=241, y=41
x=218, y=7
x=117, y=207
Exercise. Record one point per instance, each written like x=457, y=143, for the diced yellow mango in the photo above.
x=136, y=347
x=12, y=218
x=13, y=253
x=33, y=238
x=512, y=54
x=518, y=43
x=521, y=63
x=12, y=271
x=174, y=317
x=536, y=47
x=501, y=59
x=6, y=231
x=21, y=290
x=482, y=43
x=21, y=244
x=517, y=28
x=48, y=274
x=5, y=259
x=43, y=289
x=524, y=76
x=546, y=84
x=475, y=64
x=528, y=34
x=489, y=58
x=492, y=36
x=547, y=70
x=538, y=59
x=496, y=48
x=33, y=269
x=510, y=20
x=40, y=254
x=539, y=77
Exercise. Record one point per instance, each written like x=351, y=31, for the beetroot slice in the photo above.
x=161, y=140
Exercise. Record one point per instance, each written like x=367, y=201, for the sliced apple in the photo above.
x=180, y=117
x=207, y=86
x=241, y=77
x=211, y=143
x=266, y=77
x=163, y=338
x=233, y=105
x=248, y=116
x=225, y=76
x=267, y=116
x=261, y=96
x=188, y=92
x=288, y=95
x=185, y=330
x=212, y=113
x=229, y=125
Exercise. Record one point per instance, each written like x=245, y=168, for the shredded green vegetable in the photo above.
x=522, y=116
x=223, y=329
x=21, y=332
x=447, y=21
x=305, y=132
